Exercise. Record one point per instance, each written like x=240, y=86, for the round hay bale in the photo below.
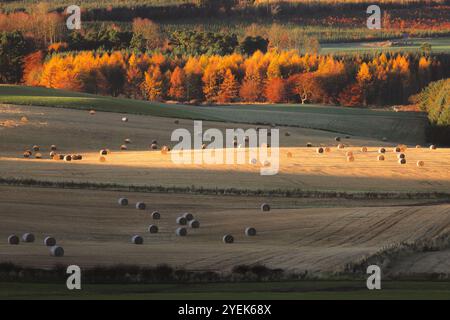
x=61, y=156
x=52, y=154
x=137, y=239
x=266, y=163
x=182, y=221
x=92, y=112
x=235, y=144
x=289, y=154
x=397, y=149
x=176, y=122
x=68, y=158
x=53, y=147
x=28, y=237
x=363, y=149
x=154, y=141
x=401, y=156
x=152, y=229
x=165, y=149
x=26, y=154
x=124, y=119
x=337, y=139
x=340, y=146
x=309, y=145
x=350, y=158
x=154, y=146
x=246, y=139
x=123, y=147
x=103, y=152
x=79, y=157
x=319, y=150
x=420, y=163
x=188, y=216
x=56, y=251
x=127, y=141
x=194, y=224
x=382, y=150
x=102, y=159
x=13, y=240
x=250, y=232
x=402, y=161
x=418, y=146
x=253, y=161
x=140, y=206
x=181, y=232
x=265, y=207
x=349, y=154
x=36, y=148
x=228, y=238
x=204, y=146
x=49, y=241
x=327, y=149
x=381, y=157
x=156, y=215
x=123, y=202
x=347, y=137
x=38, y=155
x=287, y=134
x=433, y=147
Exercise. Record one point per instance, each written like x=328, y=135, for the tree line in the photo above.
x=274, y=77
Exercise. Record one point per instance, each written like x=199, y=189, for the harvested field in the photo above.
x=95, y=230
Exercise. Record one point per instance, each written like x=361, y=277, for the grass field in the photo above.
x=396, y=127
x=300, y=290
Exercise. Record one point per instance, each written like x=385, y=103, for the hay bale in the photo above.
x=156, y=215
x=204, y=146
x=347, y=137
x=287, y=134
x=102, y=159
x=176, y=122
x=340, y=146
x=349, y=154
x=140, y=206
x=92, y=112
x=56, y=251
x=381, y=157
x=38, y=155
x=194, y=224
x=350, y=158
x=165, y=149
x=127, y=141
x=433, y=147
x=123, y=202
x=401, y=156
x=235, y=144
x=68, y=158
x=250, y=232
x=397, y=149
x=137, y=239
x=265, y=207
x=309, y=145
x=327, y=149
x=289, y=154
x=79, y=157
x=124, y=119
x=36, y=148
x=188, y=216
x=266, y=163
x=52, y=154
x=228, y=238
x=402, y=161
x=182, y=221
x=319, y=150
x=103, y=152
x=154, y=146
x=420, y=163
x=246, y=139
x=123, y=147
x=13, y=240
x=49, y=241
x=152, y=229
x=181, y=232
x=418, y=146
x=154, y=141
x=28, y=237
x=363, y=149
x=27, y=154
x=382, y=150
x=337, y=139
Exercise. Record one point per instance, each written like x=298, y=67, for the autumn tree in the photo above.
x=228, y=89
x=153, y=84
x=275, y=90
x=177, y=89
x=32, y=68
x=211, y=82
